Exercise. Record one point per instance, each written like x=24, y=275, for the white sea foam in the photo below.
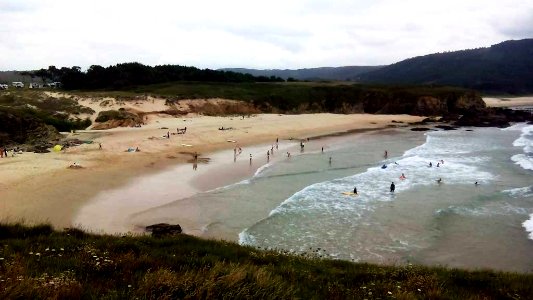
x=323, y=203
x=525, y=141
x=522, y=192
x=505, y=209
x=528, y=225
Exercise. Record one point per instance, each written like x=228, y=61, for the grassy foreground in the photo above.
x=38, y=262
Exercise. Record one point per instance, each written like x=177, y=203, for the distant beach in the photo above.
x=40, y=188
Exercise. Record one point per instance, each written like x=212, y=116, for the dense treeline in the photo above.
x=132, y=74
x=322, y=97
x=505, y=68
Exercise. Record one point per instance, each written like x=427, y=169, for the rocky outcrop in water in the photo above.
x=492, y=117
x=164, y=229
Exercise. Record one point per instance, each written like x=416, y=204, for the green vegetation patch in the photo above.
x=38, y=263
x=52, y=111
x=120, y=114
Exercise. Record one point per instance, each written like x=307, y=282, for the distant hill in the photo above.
x=348, y=73
x=506, y=67
x=9, y=76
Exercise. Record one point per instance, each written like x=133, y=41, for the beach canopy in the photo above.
x=57, y=148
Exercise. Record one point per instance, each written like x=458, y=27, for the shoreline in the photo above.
x=40, y=188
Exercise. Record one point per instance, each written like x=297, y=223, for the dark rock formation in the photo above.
x=493, y=117
x=420, y=129
x=446, y=127
x=164, y=229
x=437, y=105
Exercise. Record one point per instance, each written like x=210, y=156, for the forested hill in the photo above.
x=347, y=73
x=502, y=68
x=127, y=75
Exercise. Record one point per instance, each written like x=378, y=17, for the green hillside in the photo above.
x=505, y=68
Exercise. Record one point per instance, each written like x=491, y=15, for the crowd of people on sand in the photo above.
x=3, y=152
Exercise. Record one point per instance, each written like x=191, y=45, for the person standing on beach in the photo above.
x=168, y=134
x=386, y=155
x=322, y=149
x=392, y=187
x=330, y=160
x=250, y=159
x=100, y=146
x=268, y=156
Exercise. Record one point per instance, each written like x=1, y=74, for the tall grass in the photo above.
x=39, y=263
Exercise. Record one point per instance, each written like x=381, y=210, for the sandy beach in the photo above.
x=508, y=101
x=38, y=188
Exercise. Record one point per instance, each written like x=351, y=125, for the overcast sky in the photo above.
x=268, y=34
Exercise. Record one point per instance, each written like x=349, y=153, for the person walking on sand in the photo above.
x=168, y=134
x=322, y=149
x=392, y=187
x=330, y=160
x=250, y=159
x=288, y=154
x=268, y=156
x=100, y=146
x=386, y=154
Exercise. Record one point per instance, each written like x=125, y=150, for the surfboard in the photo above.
x=349, y=194
x=186, y=145
x=231, y=141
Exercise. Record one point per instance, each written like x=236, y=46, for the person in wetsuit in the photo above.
x=392, y=187
x=355, y=190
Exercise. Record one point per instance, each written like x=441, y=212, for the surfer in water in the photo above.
x=384, y=166
x=439, y=181
x=355, y=190
x=392, y=187
x=430, y=164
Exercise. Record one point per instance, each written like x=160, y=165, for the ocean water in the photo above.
x=296, y=204
x=454, y=223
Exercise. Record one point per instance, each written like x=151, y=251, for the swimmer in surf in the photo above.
x=402, y=177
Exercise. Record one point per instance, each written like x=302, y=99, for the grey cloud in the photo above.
x=518, y=26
